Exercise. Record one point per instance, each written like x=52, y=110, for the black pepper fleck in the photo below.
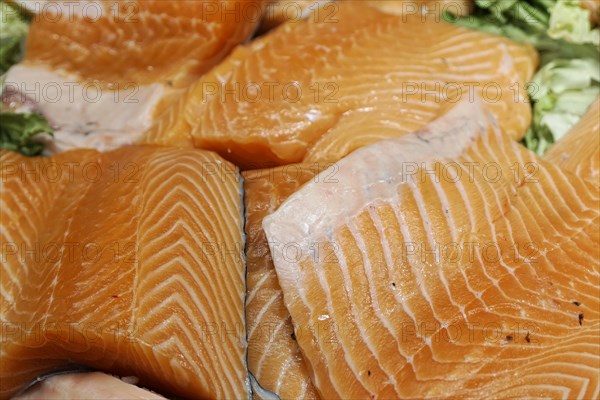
x=509, y=338
x=394, y=284
x=527, y=339
x=369, y=373
x=577, y=303
x=580, y=319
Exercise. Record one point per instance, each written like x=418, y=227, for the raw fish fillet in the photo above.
x=448, y=263
x=273, y=354
x=428, y=8
x=102, y=71
x=130, y=262
x=315, y=90
x=579, y=151
x=279, y=11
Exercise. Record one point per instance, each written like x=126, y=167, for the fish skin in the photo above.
x=166, y=224
x=93, y=385
x=579, y=151
x=364, y=43
x=376, y=318
x=273, y=355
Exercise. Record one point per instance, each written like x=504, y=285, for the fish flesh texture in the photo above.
x=102, y=71
x=130, y=262
x=428, y=8
x=280, y=11
x=274, y=357
x=173, y=127
x=447, y=263
x=356, y=78
x=579, y=150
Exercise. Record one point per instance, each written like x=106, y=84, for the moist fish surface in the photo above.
x=273, y=355
x=115, y=261
x=102, y=71
x=280, y=11
x=317, y=89
x=579, y=151
x=447, y=263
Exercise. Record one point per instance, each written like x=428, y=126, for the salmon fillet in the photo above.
x=273, y=355
x=408, y=280
x=102, y=71
x=348, y=81
x=173, y=127
x=280, y=11
x=153, y=41
x=114, y=261
x=428, y=8
x=579, y=151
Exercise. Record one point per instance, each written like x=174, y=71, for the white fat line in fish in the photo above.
x=83, y=114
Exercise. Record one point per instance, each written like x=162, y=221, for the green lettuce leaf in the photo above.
x=21, y=132
x=561, y=91
x=570, y=22
x=14, y=28
x=557, y=28
x=568, y=81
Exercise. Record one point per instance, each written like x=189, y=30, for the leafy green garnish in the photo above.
x=13, y=30
x=562, y=91
x=570, y=22
x=557, y=28
x=19, y=132
x=561, y=31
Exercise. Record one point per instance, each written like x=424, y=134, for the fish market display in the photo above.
x=128, y=261
x=311, y=199
x=102, y=71
x=579, y=150
x=408, y=280
x=348, y=83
